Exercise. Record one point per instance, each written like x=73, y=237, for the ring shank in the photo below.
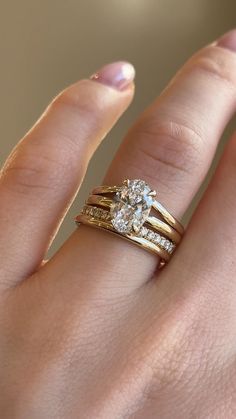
x=146, y=244
x=154, y=222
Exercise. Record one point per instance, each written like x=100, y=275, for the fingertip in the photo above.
x=228, y=40
x=120, y=75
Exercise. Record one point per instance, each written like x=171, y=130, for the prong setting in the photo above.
x=152, y=193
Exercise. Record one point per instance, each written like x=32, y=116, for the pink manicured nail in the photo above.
x=118, y=75
x=228, y=40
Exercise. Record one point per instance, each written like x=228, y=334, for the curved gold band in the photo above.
x=128, y=211
x=154, y=222
x=140, y=241
x=172, y=221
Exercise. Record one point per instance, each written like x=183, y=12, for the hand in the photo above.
x=98, y=331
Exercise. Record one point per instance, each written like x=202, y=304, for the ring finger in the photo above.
x=171, y=147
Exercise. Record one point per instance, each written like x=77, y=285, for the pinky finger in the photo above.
x=211, y=236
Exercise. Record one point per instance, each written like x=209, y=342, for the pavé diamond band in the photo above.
x=127, y=211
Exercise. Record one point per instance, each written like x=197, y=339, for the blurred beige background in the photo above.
x=46, y=45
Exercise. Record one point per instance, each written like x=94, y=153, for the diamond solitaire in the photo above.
x=131, y=206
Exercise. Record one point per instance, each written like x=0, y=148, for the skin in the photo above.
x=98, y=331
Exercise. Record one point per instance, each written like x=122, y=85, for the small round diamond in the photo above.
x=107, y=215
x=171, y=247
x=163, y=242
x=91, y=212
x=144, y=232
x=157, y=239
x=103, y=215
x=97, y=212
x=166, y=245
x=151, y=235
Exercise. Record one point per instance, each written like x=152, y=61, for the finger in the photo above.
x=212, y=236
x=171, y=147
x=43, y=173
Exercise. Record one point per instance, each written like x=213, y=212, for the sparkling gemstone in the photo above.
x=166, y=245
x=171, y=247
x=136, y=191
x=163, y=242
x=96, y=212
x=103, y=215
x=122, y=217
x=144, y=232
x=91, y=212
x=151, y=235
x=157, y=238
x=106, y=215
x=131, y=206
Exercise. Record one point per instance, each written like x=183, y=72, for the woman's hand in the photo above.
x=97, y=331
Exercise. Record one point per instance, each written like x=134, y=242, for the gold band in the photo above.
x=140, y=241
x=172, y=221
x=126, y=211
x=154, y=222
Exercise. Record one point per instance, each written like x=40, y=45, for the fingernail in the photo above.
x=118, y=75
x=228, y=40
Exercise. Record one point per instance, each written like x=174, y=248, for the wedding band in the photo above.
x=156, y=223
x=172, y=221
x=125, y=210
x=92, y=216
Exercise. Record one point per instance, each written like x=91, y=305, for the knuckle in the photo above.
x=169, y=145
x=219, y=64
x=32, y=171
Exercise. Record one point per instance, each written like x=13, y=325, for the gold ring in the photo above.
x=156, y=223
x=173, y=222
x=126, y=211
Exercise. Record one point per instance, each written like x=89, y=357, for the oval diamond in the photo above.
x=122, y=215
x=131, y=206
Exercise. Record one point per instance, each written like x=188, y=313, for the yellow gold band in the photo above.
x=140, y=241
x=172, y=221
x=154, y=222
